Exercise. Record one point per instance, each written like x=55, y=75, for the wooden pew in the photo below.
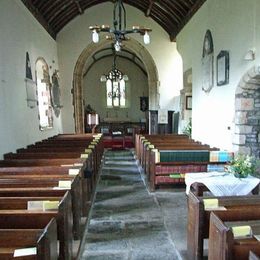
x=181, y=167
x=73, y=136
x=198, y=219
x=86, y=183
x=48, y=152
x=253, y=256
x=51, y=170
x=139, y=137
x=36, y=186
x=42, y=155
x=70, y=144
x=31, y=170
x=49, y=148
x=222, y=244
x=38, y=162
x=63, y=217
x=92, y=163
x=32, y=180
x=44, y=239
x=25, y=220
x=22, y=202
x=179, y=155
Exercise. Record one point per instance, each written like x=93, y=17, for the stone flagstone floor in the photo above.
x=129, y=223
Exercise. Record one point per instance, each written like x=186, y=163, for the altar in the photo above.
x=119, y=126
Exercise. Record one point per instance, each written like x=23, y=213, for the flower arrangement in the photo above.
x=243, y=165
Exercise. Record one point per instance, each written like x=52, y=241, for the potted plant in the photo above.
x=243, y=165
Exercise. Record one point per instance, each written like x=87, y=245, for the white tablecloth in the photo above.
x=222, y=183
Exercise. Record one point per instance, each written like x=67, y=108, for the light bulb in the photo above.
x=146, y=38
x=95, y=36
x=117, y=46
x=103, y=78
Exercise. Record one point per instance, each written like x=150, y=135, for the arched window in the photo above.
x=116, y=89
x=43, y=94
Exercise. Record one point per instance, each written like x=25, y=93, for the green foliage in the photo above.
x=244, y=165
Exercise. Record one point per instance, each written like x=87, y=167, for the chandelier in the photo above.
x=119, y=31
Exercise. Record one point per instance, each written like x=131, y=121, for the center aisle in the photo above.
x=125, y=221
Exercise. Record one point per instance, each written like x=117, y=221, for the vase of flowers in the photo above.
x=242, y=166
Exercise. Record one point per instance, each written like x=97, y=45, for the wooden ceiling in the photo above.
x=171, y=15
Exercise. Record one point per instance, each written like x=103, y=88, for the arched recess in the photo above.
x=87, y=53
x=247, y=114
x=43, y=93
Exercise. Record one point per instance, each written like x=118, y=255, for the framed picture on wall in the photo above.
x=223, y=68
x=189, y=102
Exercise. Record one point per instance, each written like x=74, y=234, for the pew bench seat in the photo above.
x=42, y=243
x=223, y=243
x=199, y=217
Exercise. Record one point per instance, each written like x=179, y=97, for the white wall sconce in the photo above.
x=250, y=55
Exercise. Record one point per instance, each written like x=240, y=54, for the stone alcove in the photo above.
x=247, y=114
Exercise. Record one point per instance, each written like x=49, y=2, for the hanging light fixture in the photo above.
x=119, y=30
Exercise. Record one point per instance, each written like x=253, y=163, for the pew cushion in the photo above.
x=184, y=156
x=221, y=156
x=216, y=167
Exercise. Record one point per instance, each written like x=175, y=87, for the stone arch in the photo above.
x=247, y=114
x=87, y=53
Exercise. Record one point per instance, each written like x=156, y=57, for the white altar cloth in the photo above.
x=222, y=183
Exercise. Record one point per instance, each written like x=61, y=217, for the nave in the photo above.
x=128, y=222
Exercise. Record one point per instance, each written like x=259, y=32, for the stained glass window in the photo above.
x=115, y=86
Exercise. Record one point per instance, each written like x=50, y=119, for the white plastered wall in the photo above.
x=235, y=26
x=76, y=36
x=20, y=32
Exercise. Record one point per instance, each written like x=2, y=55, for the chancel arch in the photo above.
x=85, y=57
x=247, y=114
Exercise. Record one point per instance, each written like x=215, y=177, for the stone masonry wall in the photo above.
x=247, y=114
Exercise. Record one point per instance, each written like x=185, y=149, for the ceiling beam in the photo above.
x=171, y=15
x=188, y=16
x=60, y=21
x=36, y=13
x=78, y=6
x=148, y=12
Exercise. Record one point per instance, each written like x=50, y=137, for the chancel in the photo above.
x=130, y=129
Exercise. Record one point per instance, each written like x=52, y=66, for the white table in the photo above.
x=222, y=183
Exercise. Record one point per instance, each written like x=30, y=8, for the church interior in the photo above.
x=136, y=132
